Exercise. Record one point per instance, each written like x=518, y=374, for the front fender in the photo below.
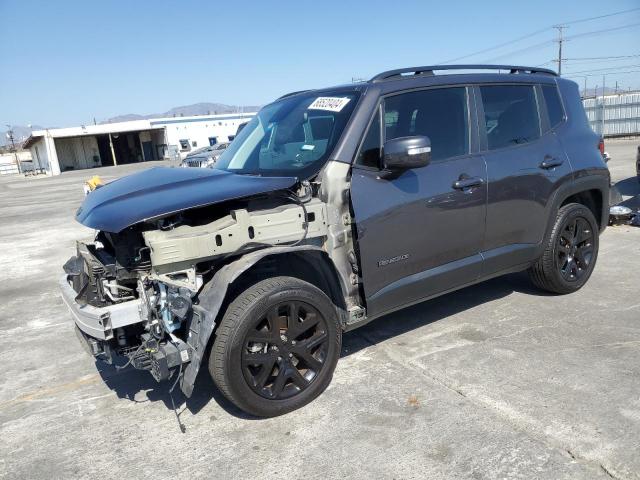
x=210, y=300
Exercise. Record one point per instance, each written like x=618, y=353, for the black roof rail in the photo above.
x=428, y=70
x=290, y=94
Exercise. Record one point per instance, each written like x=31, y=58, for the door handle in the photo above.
x=465, y=183
x=550, y=162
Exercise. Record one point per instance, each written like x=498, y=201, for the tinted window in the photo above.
x=511, y=115
x=370, y=151
x=440, y=114
x=554, y=106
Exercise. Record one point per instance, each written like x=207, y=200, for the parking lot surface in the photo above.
x=498, y=380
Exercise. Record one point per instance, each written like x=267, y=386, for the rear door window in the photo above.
x=554, y=105
x=441, y=114
x=511, y=115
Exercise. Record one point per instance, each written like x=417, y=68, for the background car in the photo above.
x=205, y=157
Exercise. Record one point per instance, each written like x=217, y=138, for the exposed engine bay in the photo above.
x=159, y=267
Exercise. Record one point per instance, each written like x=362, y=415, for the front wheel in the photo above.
x=570, y=253
x=276, y=347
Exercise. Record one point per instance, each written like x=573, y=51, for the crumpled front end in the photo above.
x=136, y=296
x=123, y=318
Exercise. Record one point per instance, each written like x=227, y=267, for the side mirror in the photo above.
x=406, y=152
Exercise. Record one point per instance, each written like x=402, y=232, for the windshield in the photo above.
x=290, y=137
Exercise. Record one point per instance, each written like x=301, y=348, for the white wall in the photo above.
x=621, y=113
x=60, y=149
x=8, y=163
x=200, y=129
x=39, y=155
x=78, y=153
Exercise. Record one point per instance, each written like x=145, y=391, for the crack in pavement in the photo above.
x=518, y=421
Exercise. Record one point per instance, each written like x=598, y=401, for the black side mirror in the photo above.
x=406, y=152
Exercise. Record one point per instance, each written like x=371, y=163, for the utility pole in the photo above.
x=559, y=40
x=13, y=147
x=603, y=80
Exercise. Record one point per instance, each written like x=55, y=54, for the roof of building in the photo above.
x=129, y=126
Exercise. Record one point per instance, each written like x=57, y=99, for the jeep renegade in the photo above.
x=331, y=208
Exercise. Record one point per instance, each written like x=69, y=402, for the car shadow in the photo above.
x=425, y=313
x=129, y=383
x=629, y=186
x=139, y=386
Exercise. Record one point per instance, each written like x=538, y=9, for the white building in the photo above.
x=56, y=150
x=614, y=115
x=9, y=162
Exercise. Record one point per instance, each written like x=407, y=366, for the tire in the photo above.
x=258, y=344
x=569, y=257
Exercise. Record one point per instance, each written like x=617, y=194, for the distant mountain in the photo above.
x=591, y=92
x=20, y=133
x=203, y=108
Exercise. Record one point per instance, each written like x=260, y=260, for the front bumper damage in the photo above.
x=100, y=329
x=99, y=322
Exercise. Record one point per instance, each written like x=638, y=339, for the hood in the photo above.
x=161, y=191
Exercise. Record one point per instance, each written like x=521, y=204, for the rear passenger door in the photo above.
x=525, y=163
x=418, y=233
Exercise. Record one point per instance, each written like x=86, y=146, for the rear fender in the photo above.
x=592, y=182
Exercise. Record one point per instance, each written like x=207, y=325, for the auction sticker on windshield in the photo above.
x=332, y=104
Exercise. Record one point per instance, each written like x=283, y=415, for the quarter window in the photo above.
x=554, y=106
x=440, y=114
x=511, y=115
x=369, y=155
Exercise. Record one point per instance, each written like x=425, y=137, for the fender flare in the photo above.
x=591, y=182
x=211, y=297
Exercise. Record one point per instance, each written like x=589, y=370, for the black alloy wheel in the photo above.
x=570, y=251
x=276, y=347
x=575, y=249
x=285, y=350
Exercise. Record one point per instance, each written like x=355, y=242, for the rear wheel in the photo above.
x=571, y=250
x=277, y=347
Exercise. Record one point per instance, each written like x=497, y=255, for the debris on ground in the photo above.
x=91, y=184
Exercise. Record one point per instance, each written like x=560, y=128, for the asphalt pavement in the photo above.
x=498, y=380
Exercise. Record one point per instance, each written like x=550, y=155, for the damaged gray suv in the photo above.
x=331, y=208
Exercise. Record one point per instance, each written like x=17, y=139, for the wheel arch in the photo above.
x=591, y=191
x=592, y=199
x=306, y=262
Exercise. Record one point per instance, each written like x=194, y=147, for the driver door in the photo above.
x=420, y=231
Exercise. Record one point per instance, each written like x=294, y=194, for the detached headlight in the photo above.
x=619, y=215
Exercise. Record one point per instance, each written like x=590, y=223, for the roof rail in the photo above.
x=399, y=72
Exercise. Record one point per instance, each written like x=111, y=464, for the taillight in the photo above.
x=601, y=146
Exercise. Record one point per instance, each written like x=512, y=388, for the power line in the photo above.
x=522, y=50
x=604, y=30
x=603, y=58
x=599, y=59
x=495, y=47
x=570, y=75
x=601, y=16
x=532, y=34
x=594, y=32
x=604, y=69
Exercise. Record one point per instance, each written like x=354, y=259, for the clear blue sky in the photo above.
x=65, y=62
